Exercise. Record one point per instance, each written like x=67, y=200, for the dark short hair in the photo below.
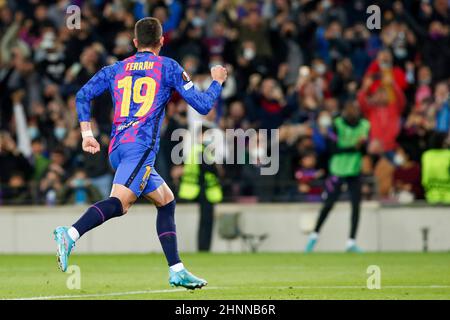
x=148, y=32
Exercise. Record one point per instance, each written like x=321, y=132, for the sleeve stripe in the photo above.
x=188, y=85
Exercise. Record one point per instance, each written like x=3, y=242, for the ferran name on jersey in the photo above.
x=148, y=170
x=133, y=66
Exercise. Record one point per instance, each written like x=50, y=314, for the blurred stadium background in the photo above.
x=293, y=65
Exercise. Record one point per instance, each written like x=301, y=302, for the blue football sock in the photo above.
x=98, y=213
x=165, y=226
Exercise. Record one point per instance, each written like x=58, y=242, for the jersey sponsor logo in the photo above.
x=127, y=125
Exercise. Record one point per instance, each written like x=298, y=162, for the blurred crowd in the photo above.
x=292, y=65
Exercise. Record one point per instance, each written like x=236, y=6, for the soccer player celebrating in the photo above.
x=140, y=87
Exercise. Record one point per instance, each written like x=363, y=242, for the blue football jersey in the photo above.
x=140, y=87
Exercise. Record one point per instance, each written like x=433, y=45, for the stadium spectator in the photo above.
x=17, y=192
x=442, y=108
x=12, y=160
x=288, y=62
x=38, y=160
x=383, y=108
x=49, y=187
x=307, y=176
x=407, y=176
x=78, y=190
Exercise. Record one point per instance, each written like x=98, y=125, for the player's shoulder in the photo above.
x=169, y=64
x=172, y=71
x=110, y=69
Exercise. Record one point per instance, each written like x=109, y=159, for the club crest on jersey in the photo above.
x=185, y=76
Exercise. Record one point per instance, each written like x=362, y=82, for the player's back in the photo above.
x=140, y=87
x=139, y=97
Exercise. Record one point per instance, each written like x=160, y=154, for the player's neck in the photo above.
x=152, y=50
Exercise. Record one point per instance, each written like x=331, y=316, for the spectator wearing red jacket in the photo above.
x=383, y=112
x=382, y=65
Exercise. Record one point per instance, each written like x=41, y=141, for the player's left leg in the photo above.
x=160, y=194
x=354, y=188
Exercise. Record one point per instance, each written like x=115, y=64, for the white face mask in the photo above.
x=320, y=68
x=249, y=54
x=122, y=42
x=399, y=159
x=33, y=132
x=324, y=122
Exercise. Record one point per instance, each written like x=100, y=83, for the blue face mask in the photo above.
x=59, y=133
x=78, y=183
x=33, y=132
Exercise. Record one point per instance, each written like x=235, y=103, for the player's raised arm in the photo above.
x=92, y=89
x=202, y=102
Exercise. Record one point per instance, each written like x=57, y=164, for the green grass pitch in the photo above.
x=231, y=276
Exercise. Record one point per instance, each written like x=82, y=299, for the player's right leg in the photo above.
x=116, y=205
x=160, y=194
x=122, y=197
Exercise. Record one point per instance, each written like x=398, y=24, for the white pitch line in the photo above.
x=129, y=293
x=362, y=287
x=112, y=294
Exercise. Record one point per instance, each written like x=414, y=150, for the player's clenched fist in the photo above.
x=219, y=73
x=90, y=145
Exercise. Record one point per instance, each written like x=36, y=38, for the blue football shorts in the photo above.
x=134, y=166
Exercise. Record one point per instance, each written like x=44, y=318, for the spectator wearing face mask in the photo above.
x=381, y=68
x=78, y=190
x=320, y=133
x=254, y=28
x=122, y=45
x=407, y=176
x=59, y=131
